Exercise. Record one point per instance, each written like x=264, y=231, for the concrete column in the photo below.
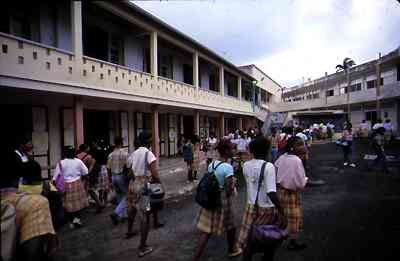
x=78, y=117
x=131, y=130
x=155, y=132
x=221, y=80
x=55, y=135
x=240, y=87
x=76, y=26
x=222, y=125
x=240, y=123
x=153, y=54
x=197, y=122
x=196, y=70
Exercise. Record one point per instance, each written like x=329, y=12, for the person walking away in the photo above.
x=212, y=152
x=221, y=219
x=116, y=164
x=144, y=167
x=25, y=219
x=274, y=144
x=103, y=179
x=378, y=141
x=347, y=144
x=291, y=180
x=187, y=151
x=75, y=198
x=287, y=132
x=269, y=208
x=90, y=162
x=388, y=130
x=196, y=157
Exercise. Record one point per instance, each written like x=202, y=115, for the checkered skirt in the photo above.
x=75, y=197
x=219, y=220
x=266, y=216
x=103, y=181
x=33, y=215
x=291, y=203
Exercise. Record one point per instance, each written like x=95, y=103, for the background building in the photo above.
x=326, y=99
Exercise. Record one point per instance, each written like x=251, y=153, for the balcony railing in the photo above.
x=24, y=59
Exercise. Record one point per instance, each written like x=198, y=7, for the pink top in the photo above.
x=290, y=172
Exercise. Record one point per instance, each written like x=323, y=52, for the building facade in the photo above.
x=76, y=72
x=360, y=91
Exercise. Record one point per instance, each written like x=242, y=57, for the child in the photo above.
x=187, y=151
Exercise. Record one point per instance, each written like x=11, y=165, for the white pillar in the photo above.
x=131, y=130
x=153, y=54
x=76, y=25
x=196, y=70
x=240, y=87
x=78, y=117
x=221, y=80
x=155, y=132
x=197, y=122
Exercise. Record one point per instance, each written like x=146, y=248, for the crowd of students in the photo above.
x=37, y=206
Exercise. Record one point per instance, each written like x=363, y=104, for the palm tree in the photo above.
x=345, y=66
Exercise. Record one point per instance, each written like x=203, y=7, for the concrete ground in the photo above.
x=355, y=216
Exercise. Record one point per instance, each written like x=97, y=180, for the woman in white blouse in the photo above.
x=75, y=198
x=269, y=207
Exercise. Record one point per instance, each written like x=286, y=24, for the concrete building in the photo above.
x=74, y=72
x=326, y=98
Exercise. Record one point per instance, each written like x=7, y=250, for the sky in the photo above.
x=290, y=40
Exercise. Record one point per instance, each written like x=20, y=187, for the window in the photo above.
x=381, y=81
x=355, y=87
x=116, y=49
x=213, y=83
x=343, y=90
x=263, y=96
x=329, y=93
x=315, y=95
x=370, y=84
x=188, y=74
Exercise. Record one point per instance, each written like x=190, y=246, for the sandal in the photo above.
x=144, y=251
x=236, y=252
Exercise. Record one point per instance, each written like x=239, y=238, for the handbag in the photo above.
x=155, y=191
x=60, y=182
x=264, y=236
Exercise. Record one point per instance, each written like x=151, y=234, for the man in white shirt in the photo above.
x=377, y=125
x=144, y=167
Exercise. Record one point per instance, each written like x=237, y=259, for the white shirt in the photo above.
x=302, y=136
x=364, y=126
x=388, y=126
x=251, y=171
x=212, y=141
x=72, y=169
x=137, y=161
x=377, y=126
x=241, y=144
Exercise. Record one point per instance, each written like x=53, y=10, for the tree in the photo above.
x=345, y=66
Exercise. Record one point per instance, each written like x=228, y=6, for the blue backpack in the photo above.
x=208, y=194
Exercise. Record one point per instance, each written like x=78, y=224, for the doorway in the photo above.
x=188, y=126
x=99, y=125
x=371, y=116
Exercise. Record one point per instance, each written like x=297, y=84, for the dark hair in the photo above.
x=223, y=147
x=83, y=147
x=259, y=147
x=381, y=130
x=118, y=141
x=298, y=129
x=101, y=155
x=387, y=120
x=32, y=172
x=291, y=143
x=68, y=152
x=144, y=138
x=195, y=139
x=9, y=178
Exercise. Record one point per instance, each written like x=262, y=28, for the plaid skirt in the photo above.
x=266, y=216
x=291, y=203
x=135, y=197
x=33, y=216
x=103, y=181
x=75, y=197
x=196, y=161
x=219, y=220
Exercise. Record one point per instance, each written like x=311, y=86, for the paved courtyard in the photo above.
x=354, y=216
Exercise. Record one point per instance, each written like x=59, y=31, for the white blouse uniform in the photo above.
x=251, y=171
x=72, y=170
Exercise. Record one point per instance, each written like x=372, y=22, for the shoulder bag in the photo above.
x=60, y=181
